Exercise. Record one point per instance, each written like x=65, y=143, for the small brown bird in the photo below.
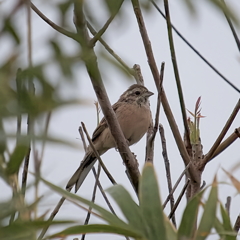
x=134, y=116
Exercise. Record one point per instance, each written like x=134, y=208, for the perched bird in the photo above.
x=134, y=116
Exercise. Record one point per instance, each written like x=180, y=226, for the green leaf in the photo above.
x=18, y=155
x=227, y=224
x=104, y=214
x=10, y=28
x=25, y=229
x=189, y=218
x=170, y=229
x=95, y=228
x=129, y=208
x=150, y=204
x=209, y=214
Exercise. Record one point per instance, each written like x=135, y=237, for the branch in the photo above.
x=152, y=135
x=53, y=25
x=98, y=35
x=176, y=73
x=179, y=198
x=232, y=28
x=109, y=175
x=90, y=60
x=167, y=167
x=221, y=136
x=196, y=51
x=225, y=144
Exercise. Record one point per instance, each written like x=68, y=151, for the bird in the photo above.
x=134, y=116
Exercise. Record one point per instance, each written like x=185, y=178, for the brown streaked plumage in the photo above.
x=134, y=116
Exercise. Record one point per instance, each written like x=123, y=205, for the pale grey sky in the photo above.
x=208, y=32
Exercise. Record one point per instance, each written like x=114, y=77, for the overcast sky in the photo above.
x=208, y=32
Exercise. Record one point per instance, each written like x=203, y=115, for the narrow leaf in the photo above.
x=234, y=181
x=209, y=214
x=188, y=222
x=150, y=204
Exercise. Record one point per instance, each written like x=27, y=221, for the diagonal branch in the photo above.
x=90, y=60
x=221, y=136
x=98, y=35
x=225, y=144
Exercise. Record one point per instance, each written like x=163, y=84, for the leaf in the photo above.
x=10, y=28
x=128, y=207
x=209, y=214
x=150, y=204
x=234, y=181
x=104, y=214
x=189, y=218
x=227, y=223
x=18, y=155
x=95, y=228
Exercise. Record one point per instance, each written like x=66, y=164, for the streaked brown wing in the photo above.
x=103, y=123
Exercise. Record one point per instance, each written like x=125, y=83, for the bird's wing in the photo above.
x=103, y=123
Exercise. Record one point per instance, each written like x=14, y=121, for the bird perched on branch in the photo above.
x=134, y=116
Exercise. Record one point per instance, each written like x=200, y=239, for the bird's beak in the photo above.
x=148, y=94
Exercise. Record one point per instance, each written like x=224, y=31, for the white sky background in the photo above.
x=208, y=32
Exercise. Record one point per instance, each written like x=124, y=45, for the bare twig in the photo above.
x=53, y=214
x=237, y=224
x=227, y=205
x=93, y=198
x=109, y=175
x=175, y=186
x=98, y=35
x=232, y=28
x=110, y=50
x=179, y=199
x=53, y=25
x=176, y=73
x=138, y=74
x=226, y=143
x=221, y=135
x=167, y=167
x=95, y=76
x=83, y=138
x=196, y=51
x=152, y=134
x=31, y=89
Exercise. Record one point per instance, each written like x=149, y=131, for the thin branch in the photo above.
x=93, y=198
x=226, y=143
x=109, y=175
x=179, y=199
x=221, y=135
x=53, y=214
x=146, y=41
x=98, y=35
x=138, y=74
x=176, y=73
x=175, y=186
x=83, y=138
x=152, y=135
x=110, y=50
x=167, y=167
x=232, y=28
x=237, y=224
x=196, y=51
x=227, y=205
x=53, y=25
x=96, y=79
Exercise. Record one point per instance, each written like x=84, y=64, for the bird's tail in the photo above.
x=81, y=173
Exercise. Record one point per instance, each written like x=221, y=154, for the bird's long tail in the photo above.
x=81, y=173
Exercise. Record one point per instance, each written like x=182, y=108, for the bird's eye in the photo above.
x=137, y=92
